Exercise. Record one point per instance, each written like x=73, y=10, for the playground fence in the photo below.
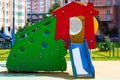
x=5, y=45
x=106, y=49
x=114, y=52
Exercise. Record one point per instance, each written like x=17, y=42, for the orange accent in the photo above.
x=95, y=25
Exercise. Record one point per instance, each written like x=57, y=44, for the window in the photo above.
x=78, y=0
x=20, y=21
x=0, y=11
x=48, y=5
x=7, y=20
x=7, y=12
x=0, y=3
x=3, y=12
x=108, y=2
x=7, y=5
x=66, y=1
x=0, y=19
x=42, y=10
x=20, y=6
x=93, y=0
x=108, y=12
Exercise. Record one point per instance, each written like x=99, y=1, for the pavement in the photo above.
x=104, y=70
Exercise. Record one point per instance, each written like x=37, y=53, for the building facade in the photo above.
x=67, y=1
x=20, y=13
x=108, y=12
x=6, y=10
x=36, y=8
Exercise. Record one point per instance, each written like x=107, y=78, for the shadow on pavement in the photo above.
x=64, y=75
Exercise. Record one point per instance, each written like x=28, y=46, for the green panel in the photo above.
x=19, y=13
x=36, y=49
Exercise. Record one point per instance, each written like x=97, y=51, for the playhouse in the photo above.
x=43, y=46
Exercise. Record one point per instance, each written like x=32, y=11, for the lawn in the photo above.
x=106, y=55
x=3, y=54
x=96, y=55
x=103, y=55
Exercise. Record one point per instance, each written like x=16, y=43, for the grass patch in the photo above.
x=106, y=58
x=102, y=55
x=4, y=54
x=96, y=55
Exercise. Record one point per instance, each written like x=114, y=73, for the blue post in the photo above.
x=13, y=31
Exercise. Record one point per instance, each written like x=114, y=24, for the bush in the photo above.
x=20, y=29
x=105, y=46
x=54, y=6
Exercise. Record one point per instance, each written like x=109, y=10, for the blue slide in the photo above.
x=81, y=60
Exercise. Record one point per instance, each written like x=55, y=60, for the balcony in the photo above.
x=105, y=17
x=102, y=3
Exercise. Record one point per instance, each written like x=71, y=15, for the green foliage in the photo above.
x=20, y=29
x=2, y=29
x=106, y=45
x=44, y=16
x=28, y=24
x=54, y=6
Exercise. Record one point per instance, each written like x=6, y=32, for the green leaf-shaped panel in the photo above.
x=36, y=49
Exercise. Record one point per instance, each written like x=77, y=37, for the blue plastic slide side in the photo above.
x=81, y=60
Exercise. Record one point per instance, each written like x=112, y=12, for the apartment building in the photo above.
x=6, y=12
x=36, y=8
x=20, y=13
x=67, y=1
x=108, y=12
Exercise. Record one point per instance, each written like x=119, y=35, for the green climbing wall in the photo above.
x=35, y=49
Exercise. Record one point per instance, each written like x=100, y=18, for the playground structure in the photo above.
x=43, y=46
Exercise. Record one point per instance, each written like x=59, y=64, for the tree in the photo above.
x=28, y=24
x=44, y=16
x=2, y=29
x=20, y=29
x=54, y=6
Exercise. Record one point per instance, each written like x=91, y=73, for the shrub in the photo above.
x=106, y=45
